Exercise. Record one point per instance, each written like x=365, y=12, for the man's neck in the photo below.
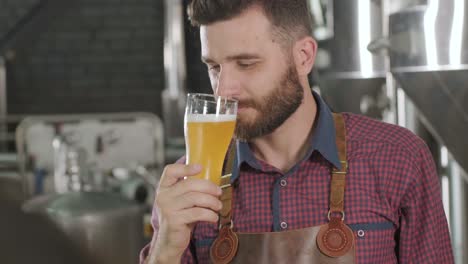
x=289, y=143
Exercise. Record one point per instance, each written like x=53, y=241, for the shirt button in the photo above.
x=361, y=233
x=283, y=183
x=284, y=225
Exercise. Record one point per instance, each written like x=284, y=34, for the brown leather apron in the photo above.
x=330, y=243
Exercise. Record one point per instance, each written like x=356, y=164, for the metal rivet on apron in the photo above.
x=283, y=183
x=360, y=233
x=284, y=225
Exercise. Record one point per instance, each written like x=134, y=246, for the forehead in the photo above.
x=251, y=32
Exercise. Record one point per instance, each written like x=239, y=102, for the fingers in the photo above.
x=194, y=199
x=182, y=221
x=187, y=194
x=197, y=214
x=185, y=202
x=174, y=172
x=196, y=185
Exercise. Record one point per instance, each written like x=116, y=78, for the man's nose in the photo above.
x=228, y=85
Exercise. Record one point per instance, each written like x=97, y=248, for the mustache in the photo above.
x=247, y=103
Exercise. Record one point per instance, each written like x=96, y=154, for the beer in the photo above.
x=207, y=138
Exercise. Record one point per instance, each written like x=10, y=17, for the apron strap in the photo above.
x=225, y=217
x=337, y=188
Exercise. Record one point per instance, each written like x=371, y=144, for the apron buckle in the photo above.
x=337, y=212
x=224, y=248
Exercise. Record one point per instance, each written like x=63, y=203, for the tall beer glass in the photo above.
x=209, y=127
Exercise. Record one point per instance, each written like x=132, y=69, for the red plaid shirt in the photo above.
x=392, y=200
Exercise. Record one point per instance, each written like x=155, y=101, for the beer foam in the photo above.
x=209, y=118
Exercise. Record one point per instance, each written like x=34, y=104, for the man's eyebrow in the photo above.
x=241, y=56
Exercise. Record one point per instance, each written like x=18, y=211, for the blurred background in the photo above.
x=92, y=99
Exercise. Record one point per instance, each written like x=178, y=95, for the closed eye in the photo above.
x=246, y=64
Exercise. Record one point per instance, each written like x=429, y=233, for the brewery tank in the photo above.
x=428, y=52
x=428, y=55
x=104, y=227
x=351, y=78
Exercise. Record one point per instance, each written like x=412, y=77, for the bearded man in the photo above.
x=307, y=185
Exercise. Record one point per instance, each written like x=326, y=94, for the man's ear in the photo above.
x=304, y=51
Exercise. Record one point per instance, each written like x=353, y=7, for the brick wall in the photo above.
x=100, y=56
x=11, y=11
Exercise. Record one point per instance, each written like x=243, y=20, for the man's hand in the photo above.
x=181, y=203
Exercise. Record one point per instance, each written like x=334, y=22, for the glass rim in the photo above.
x=214, y=98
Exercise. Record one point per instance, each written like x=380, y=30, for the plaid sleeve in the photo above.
x=424, y=235
x=187, y=257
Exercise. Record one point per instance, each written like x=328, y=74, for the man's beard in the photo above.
x=274, y=109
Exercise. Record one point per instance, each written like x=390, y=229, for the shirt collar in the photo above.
x=323, y=141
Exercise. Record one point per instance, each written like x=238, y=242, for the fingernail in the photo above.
x=196, y=167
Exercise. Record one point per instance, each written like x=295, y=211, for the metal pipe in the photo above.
x=3, y=105
x=458, y=211
x=391, y=86
x=322, y=18
x=174, y=48
x=175, y=68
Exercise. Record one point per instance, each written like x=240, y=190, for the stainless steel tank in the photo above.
x=104, y=227
x=354, y=78
x=428, y=51
x=355, y=24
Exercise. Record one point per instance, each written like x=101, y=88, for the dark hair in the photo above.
x=291, y=19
